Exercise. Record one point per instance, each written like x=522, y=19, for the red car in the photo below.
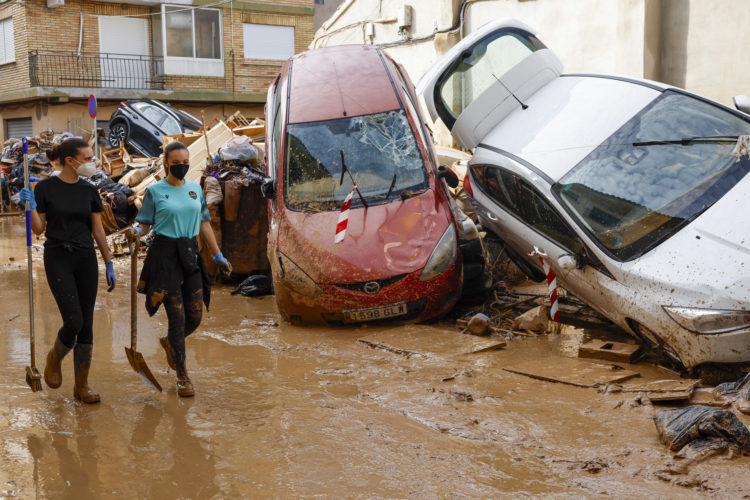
x=343, y=127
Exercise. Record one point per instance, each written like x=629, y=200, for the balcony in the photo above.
x=52, y=68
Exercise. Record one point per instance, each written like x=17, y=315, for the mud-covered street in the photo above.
x=284, y=412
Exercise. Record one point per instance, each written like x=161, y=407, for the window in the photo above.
x=18, y=128
x=480, y=67
x=378, y=150
x=192, y=33
x=262, y=41
x=643, y=184
x=412, y=108
x=521, y=199
x=8, y=49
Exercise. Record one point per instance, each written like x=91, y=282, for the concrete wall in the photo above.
x=700, y=45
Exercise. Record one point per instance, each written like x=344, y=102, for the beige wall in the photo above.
x=700, y=45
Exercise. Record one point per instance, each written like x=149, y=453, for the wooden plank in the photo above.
x=574, y=372
x=431, y=341
x=218, y=135
x=608, y=350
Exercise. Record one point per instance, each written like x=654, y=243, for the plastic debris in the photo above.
x=700, y=430
x=254, y=286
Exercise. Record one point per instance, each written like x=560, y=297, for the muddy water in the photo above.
x=287, y=412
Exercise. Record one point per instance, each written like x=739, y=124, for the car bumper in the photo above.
x=423, y=300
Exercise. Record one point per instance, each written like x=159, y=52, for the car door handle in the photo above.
x=492, y=217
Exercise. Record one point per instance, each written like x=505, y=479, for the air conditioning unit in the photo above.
x=55, y=3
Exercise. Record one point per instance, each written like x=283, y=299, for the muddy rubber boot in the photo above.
x=52, y=370
x=164, y=341
x=184, y=385
x=82, y=363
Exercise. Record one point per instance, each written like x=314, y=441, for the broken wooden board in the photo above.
x=218, y=135
x=572, y=371
x=608, y=350
x=428, y=341
x=707, y=397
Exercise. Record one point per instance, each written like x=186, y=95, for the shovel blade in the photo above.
x=141, y=368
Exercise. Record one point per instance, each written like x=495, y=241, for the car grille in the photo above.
x=362, y=286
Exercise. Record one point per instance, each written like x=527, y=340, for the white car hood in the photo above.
x=707, y=263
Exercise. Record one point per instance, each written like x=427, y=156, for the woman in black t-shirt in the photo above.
x=68, y=208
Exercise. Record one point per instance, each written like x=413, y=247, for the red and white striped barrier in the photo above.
x=344, y=217
x=551, y=284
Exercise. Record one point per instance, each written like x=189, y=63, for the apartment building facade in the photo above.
x=215, y=56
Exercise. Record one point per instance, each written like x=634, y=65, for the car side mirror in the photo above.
x=567, y=262
x=449, y=175
x=268, y=188
x=742, y=102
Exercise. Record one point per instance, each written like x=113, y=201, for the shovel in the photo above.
x=33, y=378
x=134, y=357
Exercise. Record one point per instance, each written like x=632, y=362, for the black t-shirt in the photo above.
x=68, y=208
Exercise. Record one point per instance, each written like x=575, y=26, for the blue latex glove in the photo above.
x=28, y=195
x=224, y=266
x=111, y=279
x=138, y=230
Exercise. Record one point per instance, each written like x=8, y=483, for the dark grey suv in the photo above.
x=141, y=123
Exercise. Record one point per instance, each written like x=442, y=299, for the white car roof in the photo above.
x=570, y=117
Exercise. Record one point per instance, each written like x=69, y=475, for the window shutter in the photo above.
x=9, y=45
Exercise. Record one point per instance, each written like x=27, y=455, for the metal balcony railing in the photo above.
x=56, y=68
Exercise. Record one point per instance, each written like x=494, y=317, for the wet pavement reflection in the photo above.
x=283, y=411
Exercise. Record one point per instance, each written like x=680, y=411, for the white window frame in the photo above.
x=192, y=66
x=244, y=42
x=8, y=54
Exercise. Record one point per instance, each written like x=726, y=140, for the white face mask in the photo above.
x=86, y=169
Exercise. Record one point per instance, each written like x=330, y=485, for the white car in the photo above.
x=629, y=186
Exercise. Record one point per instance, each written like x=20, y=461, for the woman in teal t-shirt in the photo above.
x=173, y=272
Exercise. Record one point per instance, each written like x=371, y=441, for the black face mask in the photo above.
x=179, y=171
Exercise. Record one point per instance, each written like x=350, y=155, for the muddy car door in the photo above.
x=485, y=77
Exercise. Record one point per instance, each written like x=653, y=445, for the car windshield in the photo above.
x=379, y=151
x=632, y=197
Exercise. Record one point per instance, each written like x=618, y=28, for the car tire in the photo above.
x=658, y=346
x=118, y=133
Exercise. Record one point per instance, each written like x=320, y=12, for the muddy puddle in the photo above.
x=284, y=412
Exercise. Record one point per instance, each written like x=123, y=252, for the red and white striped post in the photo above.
x=344, y=216
x=551, y=284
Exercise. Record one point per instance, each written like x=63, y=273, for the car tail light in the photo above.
x=467, y=185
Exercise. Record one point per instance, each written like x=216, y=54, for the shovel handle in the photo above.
x=32, y=343
x=133, y=296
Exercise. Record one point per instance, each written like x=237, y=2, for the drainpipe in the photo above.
x=80, y=36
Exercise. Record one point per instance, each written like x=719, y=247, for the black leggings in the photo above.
x=184, y=314
x=73, y=277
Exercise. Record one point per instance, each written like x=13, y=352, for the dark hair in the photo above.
x=173, y=146
x=69, y=148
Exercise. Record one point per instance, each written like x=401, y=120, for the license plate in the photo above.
x=375, y=313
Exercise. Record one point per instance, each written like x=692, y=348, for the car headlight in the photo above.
x=442, y=257
x=296, y=279
x=708, y=321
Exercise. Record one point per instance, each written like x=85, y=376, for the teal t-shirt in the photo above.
x=175, y=212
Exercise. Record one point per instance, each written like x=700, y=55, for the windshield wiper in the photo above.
x=343, y=168
x=390, y=189
x=686, y=141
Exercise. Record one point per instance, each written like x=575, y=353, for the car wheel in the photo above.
x=658, y=347
x=118, y=134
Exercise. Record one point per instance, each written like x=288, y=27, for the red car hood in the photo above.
x=381, y=241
